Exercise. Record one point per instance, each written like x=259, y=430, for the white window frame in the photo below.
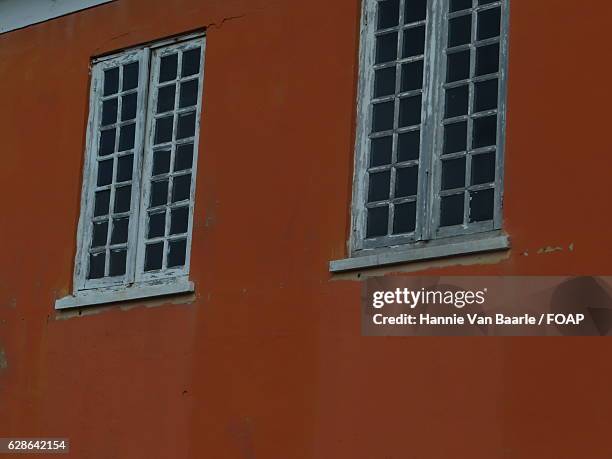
x=136, y=283
x=81, y=283
x=182, y=272
x=428, y=240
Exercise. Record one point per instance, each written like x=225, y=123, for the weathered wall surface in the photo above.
x=266, y=360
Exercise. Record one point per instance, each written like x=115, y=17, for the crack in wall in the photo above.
x=218, y=25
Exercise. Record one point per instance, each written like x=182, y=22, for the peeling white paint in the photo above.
x=549, y=249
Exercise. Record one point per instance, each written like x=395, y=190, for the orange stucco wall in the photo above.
x=266, y=360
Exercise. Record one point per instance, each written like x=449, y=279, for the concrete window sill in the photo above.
x=118, y=295
x=397, y=255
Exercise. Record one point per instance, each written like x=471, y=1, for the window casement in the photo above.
x=137, y=202
x=431, y=118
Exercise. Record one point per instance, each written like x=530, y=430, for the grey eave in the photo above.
x=16, y=14
x=415, y=254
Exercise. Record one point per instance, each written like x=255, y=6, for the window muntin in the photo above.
x=119, y=161
x=426, y=167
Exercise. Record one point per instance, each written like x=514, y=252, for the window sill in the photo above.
x=397, y=255
x=105, y=296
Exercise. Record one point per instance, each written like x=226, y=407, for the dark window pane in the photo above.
x=453, y=173
x=128, y=107
x=102, y=203
x=412, y=76
x=181, y=188
x=163, y=129
x=406, y=182
x=455, y=137
x=183, y=157
x=111, y=81
x=378, y=222
x=120, y=230
x=191, y=62
x=165, y=99
x=167, y=68
x=487, y=59
x=117, y=262
x=485, y=97
x=107, y=142
x=380, y=186
x=482, y=205
x=154, y=255
x=179, y=220
x=416, y=10
x=381, y=151
x=486, y=2
x=410, y=111
x=125, y=165
x=485, y=131
x=100, y=232
x=386, y=47
x=384, y=82
x=383, y=117
x=177, y=253
x=409, y=146
x=458, y=66
x=109, y=112
x=161, y=162
x=489, y=23
x=457, y=101
x=157, y=225
x=123, y=196
x=186, y=125
x=130, y=76
x=189, y=94
x=105, y=172
x=460, y=30
x=126, y=137
x=458, y=5
x=388, y=14
x=97, y=263
x=414, y=41
x=159, y=193
x=451, y=210
x=483, y=168
x=404, y=220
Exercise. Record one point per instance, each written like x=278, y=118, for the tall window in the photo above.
x=140, y=166
x=429, y=158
